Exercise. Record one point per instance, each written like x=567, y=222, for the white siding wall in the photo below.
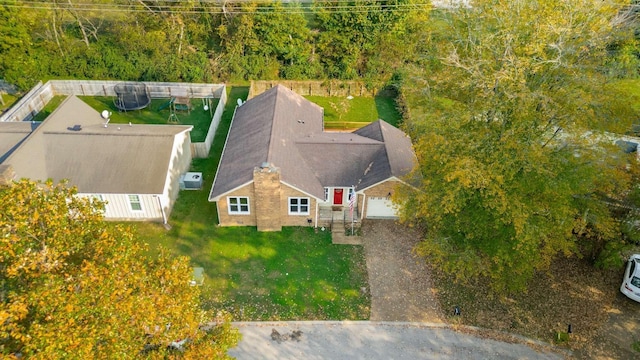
x=178, y=165
x=119, y=208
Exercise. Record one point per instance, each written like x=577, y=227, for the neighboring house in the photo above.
x=280, y=168
x=135, y=169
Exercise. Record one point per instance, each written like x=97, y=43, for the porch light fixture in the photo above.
x=309, y=221
x=389, y=195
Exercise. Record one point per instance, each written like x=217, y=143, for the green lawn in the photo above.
x=7, y=100
x=342, y=113
x=152, y=114
x=49, y=108
x=294, y=274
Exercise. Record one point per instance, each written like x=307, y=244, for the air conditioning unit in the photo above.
x=191, y=181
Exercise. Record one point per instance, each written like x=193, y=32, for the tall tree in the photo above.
x=499, y=108
x=74, y=287
x=350, y=32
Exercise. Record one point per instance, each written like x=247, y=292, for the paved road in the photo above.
x=371, y=340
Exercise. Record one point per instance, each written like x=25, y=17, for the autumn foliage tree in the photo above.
x=507, y=109
x=73, y=286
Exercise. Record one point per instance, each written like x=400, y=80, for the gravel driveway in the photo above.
x=400, y=285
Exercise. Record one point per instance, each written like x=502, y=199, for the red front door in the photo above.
x=337, y=196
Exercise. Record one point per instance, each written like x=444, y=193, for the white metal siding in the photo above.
x=119, y=208
x=178, y=165
x=380, y=207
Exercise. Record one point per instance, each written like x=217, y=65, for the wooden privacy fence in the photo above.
x=315, y=88
x=36, y=99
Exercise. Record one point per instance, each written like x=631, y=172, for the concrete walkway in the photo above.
x=371, y=340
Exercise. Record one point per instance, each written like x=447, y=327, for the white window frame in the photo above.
x=238, y=203
x=298, y=205
x=138, y=201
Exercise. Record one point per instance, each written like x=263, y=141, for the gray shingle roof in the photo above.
x=116, y=159
x=12, y=134
x=286, y=130
x=264, y=129
x=397, y=144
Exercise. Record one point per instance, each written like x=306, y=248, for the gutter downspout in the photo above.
x=164, y=216
x=364, y=196
x=317, y=210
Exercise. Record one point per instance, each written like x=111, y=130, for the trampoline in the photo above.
x=131, y=96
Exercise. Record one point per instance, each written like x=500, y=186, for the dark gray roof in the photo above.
x=116, y=159
x=284, y=129
x=397, y=145
x=264, y=129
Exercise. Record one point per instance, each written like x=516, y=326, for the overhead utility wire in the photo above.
x=158, y=8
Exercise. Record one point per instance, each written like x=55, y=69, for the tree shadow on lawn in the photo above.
x=387, y=109
x=291, y=275
x=572, y=292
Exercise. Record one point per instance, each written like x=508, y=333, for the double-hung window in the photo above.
x=135, y=203
x=298, y=206
x=238, y=205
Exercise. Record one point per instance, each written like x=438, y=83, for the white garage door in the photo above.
x=380, y=207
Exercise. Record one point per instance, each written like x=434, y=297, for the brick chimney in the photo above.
x=266, y=185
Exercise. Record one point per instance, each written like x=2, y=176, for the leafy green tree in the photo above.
x=16, y=63
x=349, y=32
x=266, y=41
x=499, y=109
x=73, y=286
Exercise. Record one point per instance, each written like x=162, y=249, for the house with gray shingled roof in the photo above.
x=280, y=168
x=134, y=169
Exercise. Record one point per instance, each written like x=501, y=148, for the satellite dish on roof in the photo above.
x=239, y=102
x=105, y=114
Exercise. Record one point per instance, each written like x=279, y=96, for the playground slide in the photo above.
x=166, y=105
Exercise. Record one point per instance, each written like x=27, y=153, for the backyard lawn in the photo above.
x=294, y=274
x=341, y=113
x=157, y=113
x=7, y=101
x=49, y=107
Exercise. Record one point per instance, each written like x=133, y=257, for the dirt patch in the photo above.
x=615, y=339
x=604, y=323
x=400, y=282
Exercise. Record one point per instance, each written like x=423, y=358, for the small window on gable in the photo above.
x=298, y=206
x=135, y=203
x=238, y=205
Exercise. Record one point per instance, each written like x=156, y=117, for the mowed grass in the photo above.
x=158, y=113
x=8, y=99
x=341, y=113
x=294, y=274
x=49, y=107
